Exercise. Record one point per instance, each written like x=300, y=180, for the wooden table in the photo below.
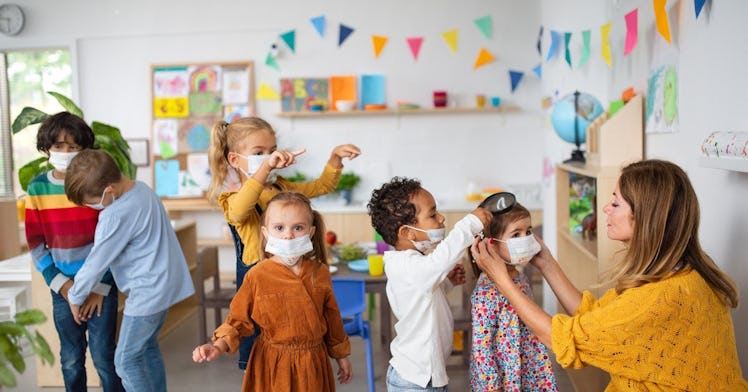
x=378, y=285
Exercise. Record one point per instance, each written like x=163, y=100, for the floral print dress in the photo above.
x=506, y=355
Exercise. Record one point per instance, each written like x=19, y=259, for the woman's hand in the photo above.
x=543, y=258
x=345, y=373
x=343, y=151
x=487, y=257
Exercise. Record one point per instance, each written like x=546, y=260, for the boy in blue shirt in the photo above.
x=135, y=240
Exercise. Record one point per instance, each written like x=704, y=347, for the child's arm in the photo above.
x=342, y=151
x=209, y=352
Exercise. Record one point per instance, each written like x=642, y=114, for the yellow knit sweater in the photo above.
x=239, y=207
x=671, y=335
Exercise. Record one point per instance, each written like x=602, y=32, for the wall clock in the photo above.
x=11, y=19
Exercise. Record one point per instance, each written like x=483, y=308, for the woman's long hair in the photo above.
x=666, y=230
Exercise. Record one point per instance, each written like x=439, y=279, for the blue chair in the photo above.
x=351, y=297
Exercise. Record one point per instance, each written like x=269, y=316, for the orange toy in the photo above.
x=628, y=94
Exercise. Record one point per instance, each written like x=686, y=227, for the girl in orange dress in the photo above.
x=289, y=296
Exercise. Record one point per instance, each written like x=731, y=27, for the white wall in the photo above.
x=710, y=56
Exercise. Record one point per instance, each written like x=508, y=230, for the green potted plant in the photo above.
x=345, y=185
x=108, y=138
x=13, y=333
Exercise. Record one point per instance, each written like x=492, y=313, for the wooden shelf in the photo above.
x=404, y=112
x=188, y=204
x=734, y=164
x=586, y=246
x=202, y=242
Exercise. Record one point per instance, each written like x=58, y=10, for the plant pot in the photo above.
x=346, y=195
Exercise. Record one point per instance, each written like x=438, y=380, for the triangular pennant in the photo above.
x=484, y=57
x=267, y=93
x=319, y=23
x=632, y=31
x=698, y=5
x=555, y=37
x=540, y=39
x=343, y=33
x=415, y=46
x=538, y=71
x=289, y=38
x=270, y=62
x=450, y=37
x=515, y=77
x=585, y=48
x=661, y=18
x=605, y=44
x=567, y=53
x=379, y=42
x=485, y=25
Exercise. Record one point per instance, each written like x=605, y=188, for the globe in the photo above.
x=563, y=115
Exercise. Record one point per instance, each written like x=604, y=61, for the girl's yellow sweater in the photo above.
x=671, y=335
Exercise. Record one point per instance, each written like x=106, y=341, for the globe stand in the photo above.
x=577, y=155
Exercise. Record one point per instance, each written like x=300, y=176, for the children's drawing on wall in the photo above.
x=662, y=100
x=235, y=85
x=194, y=134
x=165, y=135
x=170, y=82
x=235, y=112
x=197, y=166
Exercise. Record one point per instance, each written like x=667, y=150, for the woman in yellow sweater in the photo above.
x=665, y=325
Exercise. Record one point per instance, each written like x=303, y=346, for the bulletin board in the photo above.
x=186, y=101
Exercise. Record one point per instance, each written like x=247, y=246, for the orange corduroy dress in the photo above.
x=300, y=327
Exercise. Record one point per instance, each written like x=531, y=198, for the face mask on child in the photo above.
x=435, y=236
x=61, y=160
x=253, y=164
x=100, y=205
x=521, y=249
x=290, y=251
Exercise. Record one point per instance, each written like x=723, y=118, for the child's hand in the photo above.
x=280, y=159
x=91, y=305
x=345, y=373
x=76, y=309
x=343, y=151
x=457, y=275
x=484, y=215
x=66, y=288
x=206, y=352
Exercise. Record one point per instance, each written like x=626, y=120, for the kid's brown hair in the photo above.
x=498, y=225
x=285, y=198
x=90, y=171
x=227, y=137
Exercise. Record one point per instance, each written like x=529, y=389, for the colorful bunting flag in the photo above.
x=270, y=62
x=605, y=44
x=319, y=23
x=343, y=33
x=585, y=48
x=661, y=18
x=450, y=37
x=379, y=42
x=632, y=31
x=267, y=93
x=555, y=37
x=484, y=57
x=538, y=71
x=515, y=77
x=289, y=38
x=698, y=5
x=567, y=53
x=415, y=46
x=540, y=39
x=485, y=25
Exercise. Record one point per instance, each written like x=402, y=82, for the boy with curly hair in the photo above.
x=422, y=267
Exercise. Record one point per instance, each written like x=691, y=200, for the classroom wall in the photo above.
x=709, y=54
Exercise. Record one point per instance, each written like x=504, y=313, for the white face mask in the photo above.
x=61, y=160
x=290, y=251
x=521, y=249
x=100, y=205
x=253, y=165
x=435, y=236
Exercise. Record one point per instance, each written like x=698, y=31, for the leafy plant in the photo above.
x=12, y=335
x=348, y=181
x=297, y=177
x=108, y=138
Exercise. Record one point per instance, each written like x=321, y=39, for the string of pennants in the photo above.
x=485, y=26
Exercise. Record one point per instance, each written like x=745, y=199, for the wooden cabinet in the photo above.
x=51, y=376
x=585, y=258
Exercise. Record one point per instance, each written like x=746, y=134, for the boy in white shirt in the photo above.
x=422, y=267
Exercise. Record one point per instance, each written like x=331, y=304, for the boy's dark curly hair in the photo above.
x=390, y=207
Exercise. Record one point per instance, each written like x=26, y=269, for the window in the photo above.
x=26, y=77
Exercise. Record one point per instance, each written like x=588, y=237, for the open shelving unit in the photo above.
x=612, y=142
x=403, y=112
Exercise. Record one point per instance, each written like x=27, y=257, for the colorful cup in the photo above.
x=376, y=265
x=440, y=99
x=495, y=101
x=480, y=100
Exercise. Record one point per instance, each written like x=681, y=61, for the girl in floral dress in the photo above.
x=506, y=355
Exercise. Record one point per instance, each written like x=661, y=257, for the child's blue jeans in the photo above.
x=138, y=357
x=395, y=383
x=73, y=343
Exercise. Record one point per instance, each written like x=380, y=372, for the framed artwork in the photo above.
x=139, y=153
